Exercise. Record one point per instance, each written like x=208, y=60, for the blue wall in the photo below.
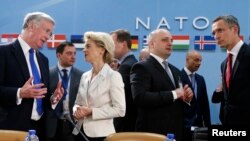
x=79, y=16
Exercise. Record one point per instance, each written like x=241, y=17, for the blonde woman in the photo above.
x=101, y=94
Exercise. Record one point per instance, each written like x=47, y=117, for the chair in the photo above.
x=135, y=136
x=12, y=135
x=200, y=134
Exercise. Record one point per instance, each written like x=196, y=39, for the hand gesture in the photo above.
x=58, y=93
x=32, y=91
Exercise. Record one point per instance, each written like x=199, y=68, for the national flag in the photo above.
x=204, y=43
x=55, y=40
x=77, y=40
x=145, y=41
x=134, y=41
x=180, y=42
x=8, y=38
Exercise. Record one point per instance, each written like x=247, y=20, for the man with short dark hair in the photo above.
x=122, y=40
x=235, y=72
x=58, y=127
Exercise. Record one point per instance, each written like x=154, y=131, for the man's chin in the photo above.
x=222, y=46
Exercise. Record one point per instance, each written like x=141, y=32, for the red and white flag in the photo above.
x=181, y=42
x=55, y=40
x=8, y=38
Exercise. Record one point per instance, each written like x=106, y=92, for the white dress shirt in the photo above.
x=25, y=47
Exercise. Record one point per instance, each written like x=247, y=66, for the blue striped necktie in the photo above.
x=36, y=80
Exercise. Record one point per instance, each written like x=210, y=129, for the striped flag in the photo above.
x=55, y=40
x=181, y=42
x=77, y=40
x=134, y=41
x=204, y=43
x=145, y=41
x=8, y=38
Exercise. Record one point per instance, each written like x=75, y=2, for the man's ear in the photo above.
x=58, y=55
x=30, y=26
x=150, y=44
x=124, y=44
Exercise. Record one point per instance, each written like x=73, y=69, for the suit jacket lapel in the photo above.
x=237, y=60
x=55, y=77
x=186, y=78
x=93, y=85
x=41, y=66
x=198, y=85
x=18, y=53
x=235, y=67
x=162, y=71
x=71, y=88
x=128, y=57
x=224, y=68
x=176, y=77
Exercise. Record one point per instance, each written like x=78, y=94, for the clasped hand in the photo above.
x=81, y=111
x=186, y=94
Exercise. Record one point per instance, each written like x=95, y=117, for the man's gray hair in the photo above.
x=36, y=17
x=230, y=20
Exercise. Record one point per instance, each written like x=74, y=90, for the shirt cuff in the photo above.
x=174, y=95
x=18, y=98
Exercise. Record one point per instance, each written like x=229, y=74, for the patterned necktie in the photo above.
x=229, y=69
x=168, y=72
x=65, y=81
x=37, y=80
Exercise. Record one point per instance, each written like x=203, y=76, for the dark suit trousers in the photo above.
x=39, y=126
x=63, y=131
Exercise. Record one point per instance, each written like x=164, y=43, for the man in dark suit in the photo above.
x=218, y=97
x=122, y=40
x=58, y=128
x=24, y=77
x=156, y=90
x=235, y=71
x=197, y=114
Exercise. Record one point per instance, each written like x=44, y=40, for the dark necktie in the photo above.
x=60, y=108
x=168, y=71
x=65, y=80
x=229, y=69
x=193, y=82
x=37, y=80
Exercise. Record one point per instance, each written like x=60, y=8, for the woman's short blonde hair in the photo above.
x=104, y=40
